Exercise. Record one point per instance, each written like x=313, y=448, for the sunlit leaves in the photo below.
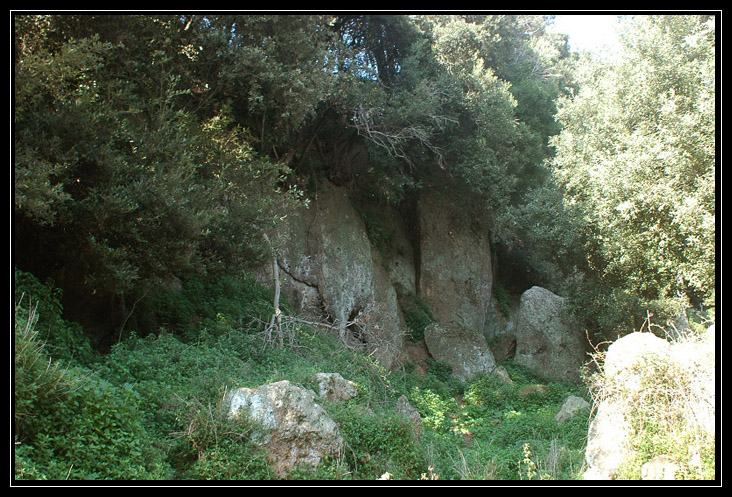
x=638, y=155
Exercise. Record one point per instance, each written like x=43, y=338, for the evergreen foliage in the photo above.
x=153, y=409
x=637, y=159
x=150, y=147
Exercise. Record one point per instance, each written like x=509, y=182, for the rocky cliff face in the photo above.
x=455, y=271
x=332, y=270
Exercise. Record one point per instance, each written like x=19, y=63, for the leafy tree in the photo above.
x=118, y=185
x=445, y=113
x=637, y=157
x=377, y=43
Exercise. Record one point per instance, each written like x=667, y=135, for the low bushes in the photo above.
x=70, y=423
x=152, y=407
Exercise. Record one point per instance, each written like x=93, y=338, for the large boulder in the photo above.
x=630, y=372
x=624, y=354
x=610, y=430
x=294, y=429
x=571, y=406
x=463, y=349
x=607, y=440
x=695, y=360
x=298, y=260
x=548, y=340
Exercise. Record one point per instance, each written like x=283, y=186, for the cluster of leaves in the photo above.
x=151, y=147
x=379, y=234
x=445, y=110
x=379, y=442
x=119, y=167
x=61, y=339
x=417, y=312
x=503, y=298
x=203, y=303
x=150, y=409
x=69, y=423
x=483, y=435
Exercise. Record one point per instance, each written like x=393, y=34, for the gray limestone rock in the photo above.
x=547, y=338
x=463, y=349
x=294, y=429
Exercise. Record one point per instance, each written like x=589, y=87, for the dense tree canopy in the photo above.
x=154, y=146
x=637, y=158
x=150, y=146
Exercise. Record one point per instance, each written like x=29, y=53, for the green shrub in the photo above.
x=98, y=432
x=71, y=424
x=434, y=409
x=503, y=297
x=38, y=382
x=215, y=303
x=378, y=442
x=62, y=339
x=378, y=232
x=490, y=392
x=237, y=298
x=168, y=374
x=230, y=459
x=329, y=468
x=417, y=312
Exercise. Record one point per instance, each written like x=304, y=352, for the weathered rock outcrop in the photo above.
x=610, y=430
x=571, y=406
x=299, y=263
x=455, y=277
x=547, y=339
x=607, y=440
x=406, y=409
x=455, y=270
x=296, y=430
x=628, y=375
x=330, y=268
x=346, y=276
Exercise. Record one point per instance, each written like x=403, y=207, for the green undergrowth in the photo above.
x=153, y=407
